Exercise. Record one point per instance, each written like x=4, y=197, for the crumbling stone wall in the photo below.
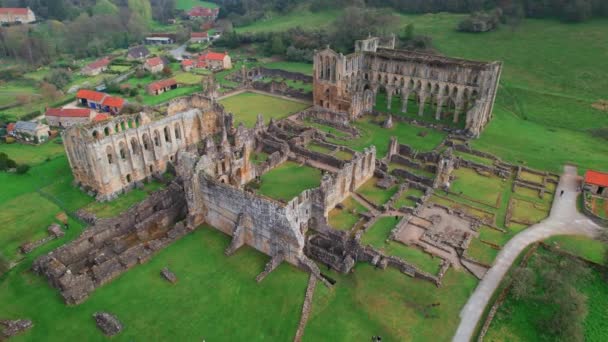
x=349, y=84
x=112, y=246
x=281, y=88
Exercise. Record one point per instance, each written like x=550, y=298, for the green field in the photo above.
x=377, y=235
x=32, y=154
x=372, y=133
x=586, y=248
x=480, y=188
x=303, y=18
x=303, y=68
x=188, y=4
x=122, y=203
x=212, y=300
x=246, y=107
x=288, y=180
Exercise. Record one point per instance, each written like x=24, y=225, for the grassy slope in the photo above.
x=215, y=297
x=303, y=18
x=188, y=4
x=372, y=302
x=247, y=106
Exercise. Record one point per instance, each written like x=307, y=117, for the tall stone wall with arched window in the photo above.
x=458, y=90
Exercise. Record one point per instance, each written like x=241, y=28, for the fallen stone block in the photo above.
x=107, y=323
x=14, y=327
x=168, y=275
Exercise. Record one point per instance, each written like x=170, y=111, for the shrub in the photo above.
x=22, y=169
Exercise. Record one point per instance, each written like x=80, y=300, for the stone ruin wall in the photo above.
x=112, y=246
x=114, y=156
x=350, y=84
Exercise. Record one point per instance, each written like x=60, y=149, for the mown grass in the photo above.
x=188, y=4
x=275, y=22
x=288, y=180
x=32, y=154
x=372, y=133
x=485, y=189
x=303, y=68
x=474, y=158
x=197, y=307
x=246, y=107
x=404, y=201
x=582, y=246
x=377, y=235
x=345, y=219
x=122, y=203
x=374, y=194
x=482, y=252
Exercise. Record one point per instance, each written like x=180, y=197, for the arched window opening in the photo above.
x=178, y=134
x=134, y=146
x=156, y=138
x=109, y=155
x=106, y=131
x=167, y=134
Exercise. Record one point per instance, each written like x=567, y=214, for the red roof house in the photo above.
x=101, y=117
x=96, y=67
x=10, y=128
x=596, y=178
x=202, y=12
x=66, y=117
x=16, y=15
x=112, y=104
x=216, y=60
x=159, y=87
x=197, y=37
x=154, y=64
x=90, y=96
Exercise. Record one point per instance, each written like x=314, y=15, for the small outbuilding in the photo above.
x=32, y=132
x=596, y=183
x=66, y=117
x=96, y=68
x=159, y=87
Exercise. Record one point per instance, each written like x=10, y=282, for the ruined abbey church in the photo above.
x=440, y=86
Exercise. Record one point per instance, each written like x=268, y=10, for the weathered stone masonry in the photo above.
x=349, y=84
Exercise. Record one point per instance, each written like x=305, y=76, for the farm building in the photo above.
x=138, y=52
x=32, y=132
x=90, y=98
x=16, y=15
x=216, y=60
x=159, y=87
x=154, y=65
x=96, y=67
x=160, y=39
x=66, y=117
x=596, y=183
x=112, y=104
x=189, y=64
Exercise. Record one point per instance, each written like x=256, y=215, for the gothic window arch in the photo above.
x=156, y=138
x=110, y=154
x=178, y=134
x=134, y=146
x=146, y=140
x=167, y=133
x=123, y=150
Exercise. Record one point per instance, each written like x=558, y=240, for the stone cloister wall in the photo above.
x=112, y=156
x=445, y=86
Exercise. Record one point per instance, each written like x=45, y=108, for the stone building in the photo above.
x=596, y=183
x=97, y=67
x=446, y=87
x=154, y=65
x=112, y=156
x=31, y=132
x=66, y=117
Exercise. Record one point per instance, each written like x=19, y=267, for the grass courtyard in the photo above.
x=288, y=180
x=347, y=217
x=246, y=107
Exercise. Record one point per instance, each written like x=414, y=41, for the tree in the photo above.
x=277, y=47
x=49, y=91
x=22, y=169
x=60, y=78
x=408, y=32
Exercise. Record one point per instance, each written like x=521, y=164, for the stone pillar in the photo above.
x=440, y=101
x=389, y=98
x=421, y=104
x=404, y=99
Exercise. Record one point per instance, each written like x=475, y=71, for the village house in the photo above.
x=154, y=65
x=596, y=183
x=198, y=12
x=96, y=67
x=16, y=15
x=199, y=37
x=32, y=132
x=66, y=117
x=112, y=104
x=138, y=52
x=189, y=64
x=159, y=87
x=90, y=98
x=216, y=60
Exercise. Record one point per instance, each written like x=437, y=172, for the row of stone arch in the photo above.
x=458, y=75
x=116, y=127
x=326, y=68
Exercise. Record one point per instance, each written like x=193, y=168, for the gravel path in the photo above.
x=564, y=219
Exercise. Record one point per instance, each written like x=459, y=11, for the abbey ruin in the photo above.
x=441, y=86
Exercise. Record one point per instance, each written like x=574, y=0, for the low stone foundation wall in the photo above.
x=112, y=246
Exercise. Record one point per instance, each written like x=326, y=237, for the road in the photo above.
x=179, y=51
x=564, y=219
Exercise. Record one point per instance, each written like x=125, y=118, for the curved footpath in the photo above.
x=564, y=219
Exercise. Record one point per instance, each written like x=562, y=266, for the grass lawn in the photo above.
x=528, y=212
x=345, y=219
x=122, y=203
x=417, y=171
x=343, y=155
x=246, y=107
x=301, y=17
x=514, y=320
x=477, y=187
x=327, y=129
x=404, y=201
x=319, y=148
x=188, y=4
x=412, y=111
x=24, y=218
x=303, y=68
x=187, y=78
x=32, y=154
x=376, y=195
x=388, y=303
x=215, y=299
x=288, y=180
x=482, y=252
x=372, y=133
x=377, y=234
x=586, y=248
x=531, y=177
